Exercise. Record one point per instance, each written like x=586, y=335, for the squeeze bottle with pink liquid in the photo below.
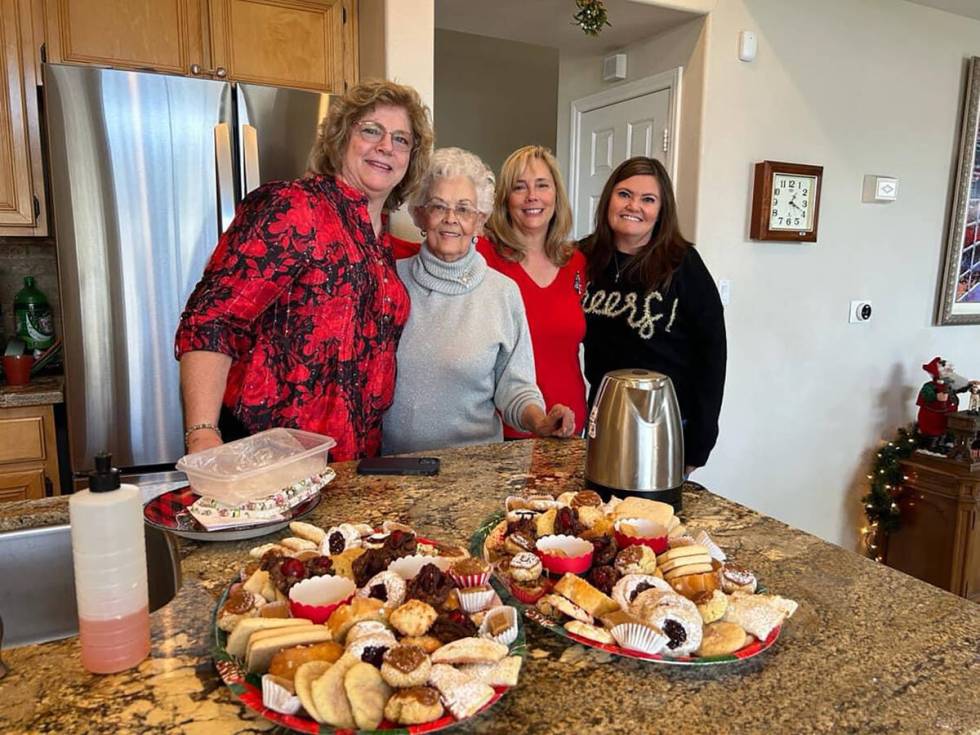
x=109, y=556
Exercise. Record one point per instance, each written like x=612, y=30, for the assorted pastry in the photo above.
x=363, y=628
x=629, y=574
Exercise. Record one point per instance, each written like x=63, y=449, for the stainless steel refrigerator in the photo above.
x=146, y=171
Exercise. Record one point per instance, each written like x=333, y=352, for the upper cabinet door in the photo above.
x=21, y=176
x=160, y=35
x=284, y=43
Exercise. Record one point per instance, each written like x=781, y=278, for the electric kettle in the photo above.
x=634, y=441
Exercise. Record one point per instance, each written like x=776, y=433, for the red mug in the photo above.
x=17, y=368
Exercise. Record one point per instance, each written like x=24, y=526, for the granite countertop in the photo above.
x=41, y=391
x=869, y=650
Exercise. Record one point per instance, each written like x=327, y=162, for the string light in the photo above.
x=882, y=502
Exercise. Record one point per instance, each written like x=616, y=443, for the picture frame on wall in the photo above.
x=959, y=297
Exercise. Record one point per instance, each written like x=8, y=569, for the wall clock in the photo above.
x=785, y=201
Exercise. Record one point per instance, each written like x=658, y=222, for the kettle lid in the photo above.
x=638, y=378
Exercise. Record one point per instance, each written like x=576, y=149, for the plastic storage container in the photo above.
x=109, y=555
x=257, y=466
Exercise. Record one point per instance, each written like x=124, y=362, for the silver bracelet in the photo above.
x=198, y=427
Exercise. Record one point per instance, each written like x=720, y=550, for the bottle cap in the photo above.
x=105, y=477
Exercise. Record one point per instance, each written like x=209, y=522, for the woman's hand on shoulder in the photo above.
x=559, y=422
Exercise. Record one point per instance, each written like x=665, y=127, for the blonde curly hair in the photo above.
x=333, y=136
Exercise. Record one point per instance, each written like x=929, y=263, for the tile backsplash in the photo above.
x=19, y=257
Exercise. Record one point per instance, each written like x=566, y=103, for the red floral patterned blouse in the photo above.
x=306, y=301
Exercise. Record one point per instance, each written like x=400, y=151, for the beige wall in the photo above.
x=869, y=86
x=396, y=39
x=684, y=46
x=494, y=96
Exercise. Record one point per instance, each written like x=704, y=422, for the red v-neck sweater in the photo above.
x=557, y=323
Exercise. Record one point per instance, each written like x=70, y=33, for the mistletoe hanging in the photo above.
x=591, y=16
x=881, y=502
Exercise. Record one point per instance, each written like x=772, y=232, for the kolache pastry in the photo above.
x=406, y=666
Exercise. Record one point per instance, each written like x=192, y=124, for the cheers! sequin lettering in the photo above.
x=641, y=319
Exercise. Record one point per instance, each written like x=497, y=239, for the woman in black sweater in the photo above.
x=651, y=302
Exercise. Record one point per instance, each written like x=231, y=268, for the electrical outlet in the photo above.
x=860, y=311
x=725, y=291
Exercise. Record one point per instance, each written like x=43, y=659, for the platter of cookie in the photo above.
x=354, y=628
x=628, y=577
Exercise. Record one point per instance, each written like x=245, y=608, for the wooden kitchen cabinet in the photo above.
x=308, y=44
x=296, y=43
x=22, y=202
x=939, y=537
x=28, y=453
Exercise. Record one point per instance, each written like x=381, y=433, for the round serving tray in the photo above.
x=247, y=688
x=478, y=548
x=169, y=512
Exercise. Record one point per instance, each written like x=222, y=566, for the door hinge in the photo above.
x=666, y=139
x=37, y=208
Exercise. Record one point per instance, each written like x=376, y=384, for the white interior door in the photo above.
x=632, y=119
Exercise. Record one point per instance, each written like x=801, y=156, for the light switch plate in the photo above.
x=879, y=189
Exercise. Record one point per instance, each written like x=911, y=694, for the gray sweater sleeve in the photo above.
x=514, y=378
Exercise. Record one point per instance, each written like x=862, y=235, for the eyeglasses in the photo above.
x=372, y=132
x=440, y=211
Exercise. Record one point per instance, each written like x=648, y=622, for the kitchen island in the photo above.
x=869, y=650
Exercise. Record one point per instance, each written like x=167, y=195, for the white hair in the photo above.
x=448, y=163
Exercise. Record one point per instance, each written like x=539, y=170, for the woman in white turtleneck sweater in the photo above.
x=465, y=352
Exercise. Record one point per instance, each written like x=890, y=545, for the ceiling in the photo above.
x=549, y=22
x=967, y=8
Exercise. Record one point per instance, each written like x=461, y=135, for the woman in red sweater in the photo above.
x=528, y=233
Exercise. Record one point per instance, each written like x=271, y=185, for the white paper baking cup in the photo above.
x=475, y=600
x=714, y=551
x=643, y=527
x=510, y=634
x=571, y=545
x=636, y=637
x=409, y=566
x=276, y=697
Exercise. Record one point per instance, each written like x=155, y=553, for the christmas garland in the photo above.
x=881, y=502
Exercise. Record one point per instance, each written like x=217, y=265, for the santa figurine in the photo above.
x=937, y=399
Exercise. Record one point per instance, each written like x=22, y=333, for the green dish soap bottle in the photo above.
x=32, y=315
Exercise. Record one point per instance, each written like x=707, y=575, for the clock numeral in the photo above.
x=775, y=192
x=796, y=220
x=781, y=220
x=792, y=184
x=775, y=213
x=806, y=203
x=804, y=190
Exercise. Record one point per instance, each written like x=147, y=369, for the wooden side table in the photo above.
x=939, y=539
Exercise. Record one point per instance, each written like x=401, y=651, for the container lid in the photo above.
x=637, y=378
x=256, y=454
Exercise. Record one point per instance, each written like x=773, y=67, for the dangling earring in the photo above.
x=473, y=240
x=423, y=233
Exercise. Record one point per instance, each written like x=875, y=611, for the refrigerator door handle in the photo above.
x=224, y=169
x=250, y=145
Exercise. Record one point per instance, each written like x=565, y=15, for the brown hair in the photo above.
x=655, y=263
x=327, y=154
x=501, y=230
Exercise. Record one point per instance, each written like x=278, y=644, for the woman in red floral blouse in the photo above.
x=297, y=317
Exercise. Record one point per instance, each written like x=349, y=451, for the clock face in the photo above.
x=792, y=203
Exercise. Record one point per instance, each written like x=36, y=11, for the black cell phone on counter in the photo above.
x=398, y=466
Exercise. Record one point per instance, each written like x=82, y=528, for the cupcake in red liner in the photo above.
x=529, y=592
x=315, y=598
x=632, y=531
x=561, y=554
x=470, y=572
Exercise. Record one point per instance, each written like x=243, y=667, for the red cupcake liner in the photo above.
x=317, y=614
x=528, y=596
x=658, y=544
